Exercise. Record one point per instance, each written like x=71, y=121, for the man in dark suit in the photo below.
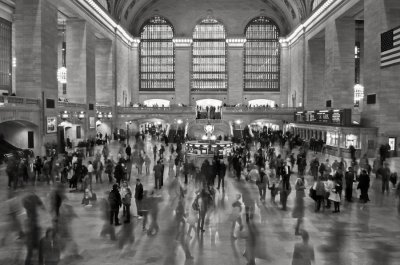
x=221, y=174
x=139, y=195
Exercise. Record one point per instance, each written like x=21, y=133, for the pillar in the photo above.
x=104, y=72
x=287, y=98
x=235, y=69
x=35, y=28
x=315, y=96
x=380, y=16
x=339, y=62
x=36, y=48
x=135, y=71
x=182, y=70
x=81, y=70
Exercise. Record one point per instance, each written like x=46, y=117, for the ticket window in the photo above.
x=332, y=138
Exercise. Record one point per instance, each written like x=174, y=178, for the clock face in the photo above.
x=209, y=128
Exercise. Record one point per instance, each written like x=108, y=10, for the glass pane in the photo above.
x=262, y=56
x=209, y=57
x=157, y=56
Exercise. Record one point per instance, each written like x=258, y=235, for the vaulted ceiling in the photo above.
x=130, y=13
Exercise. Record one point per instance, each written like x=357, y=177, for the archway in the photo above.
x=261, y=103
x=160, y=103
x=208, y=109
x=19, y=134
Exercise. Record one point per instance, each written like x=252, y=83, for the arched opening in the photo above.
x=261, y=103
x=17, y=135
x=262, y=55
x=158, y=103
x=208, y=109
x=157, y=56
x=209, y=56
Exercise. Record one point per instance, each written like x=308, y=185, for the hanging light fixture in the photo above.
x=62, y=71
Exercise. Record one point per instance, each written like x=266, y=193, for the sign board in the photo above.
x=340, y=117
x=51, y=125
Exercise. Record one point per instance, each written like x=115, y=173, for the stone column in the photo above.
x=235, y=69
x=380, y=16
x=285, y=95
x=104, y=72
x=183, y=61
x=35, y=28
x=36, y=48
x=135, y=71
x=315, y=96
x=81, y=71
x=339, y=62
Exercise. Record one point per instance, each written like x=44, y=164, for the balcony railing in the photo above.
x=258, y=109
x=11, y=100
x=72, y=105
x=175, y=109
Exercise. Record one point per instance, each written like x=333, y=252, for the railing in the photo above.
x=258, y=109
x=71, y=105
x=103, y=108
x=156, y=109
x=11, y=100
x=206, y=121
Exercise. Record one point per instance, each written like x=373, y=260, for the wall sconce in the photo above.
x=65, y=115
x=100, y=115
x=109, y=115
x=81, y=115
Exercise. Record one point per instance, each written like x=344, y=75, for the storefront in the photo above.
x=335, y=128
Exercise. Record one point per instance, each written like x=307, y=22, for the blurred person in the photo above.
x=126, y=196
x=262, y=183
x=98, y=169
x=49, y=249
x=319, y=188
x=32, y=203
x=57, y=196
x=298, y=210
x=13, y=223
x=109, y=170
x=303, y=253
x=114, y=199
x=158, y=171
x=105, y=209
x=384, y=174
x=147, y=162
x=335, y=195
x=126, y=234
x=363, y=185
x=221, y=174
x=349, y=177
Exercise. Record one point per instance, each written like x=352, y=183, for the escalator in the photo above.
x=8, y=150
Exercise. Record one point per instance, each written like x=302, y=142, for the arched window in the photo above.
x=157, y=56
x=209, y=56
x=262, y=56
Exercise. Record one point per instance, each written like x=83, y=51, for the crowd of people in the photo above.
x=195, y=191
x=208, y=112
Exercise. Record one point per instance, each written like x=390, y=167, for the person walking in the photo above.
x=221, y=174
x=319, y=188
x=335, y=195
x=90, y=169
x=363, y=185
x=114, y=199
x=139, y=193
x=349, y=178
x=384, y=174
x=126, y=197
x=109, y=170
x=298, y=211
x=49, y=249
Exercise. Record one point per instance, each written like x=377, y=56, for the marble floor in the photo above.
x=360, y=234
